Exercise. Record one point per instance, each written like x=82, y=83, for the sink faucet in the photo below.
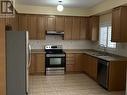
x=102, y=47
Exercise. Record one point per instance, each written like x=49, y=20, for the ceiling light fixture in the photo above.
x=60, y=6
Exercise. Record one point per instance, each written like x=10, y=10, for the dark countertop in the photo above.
x=91, y=52
x=95, y=53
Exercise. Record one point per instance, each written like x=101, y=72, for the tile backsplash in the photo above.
x=57, y=40
x=121, y=49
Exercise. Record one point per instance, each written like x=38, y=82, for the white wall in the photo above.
x=50, y=10
x=102, y=7
x=106, y=6
x=57, y=40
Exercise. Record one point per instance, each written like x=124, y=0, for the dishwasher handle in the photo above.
x=104, y=62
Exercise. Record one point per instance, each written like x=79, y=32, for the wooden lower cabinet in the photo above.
x=37, y=66
x=90, y=66
x=116, y=72
x=73, y=62
x=32, y=65
x=117, y=76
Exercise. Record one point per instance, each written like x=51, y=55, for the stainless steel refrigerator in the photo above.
x=17, y=62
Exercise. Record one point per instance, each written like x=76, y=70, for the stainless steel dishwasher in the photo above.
x=102, y=73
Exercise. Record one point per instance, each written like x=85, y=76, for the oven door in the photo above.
x=55, y=61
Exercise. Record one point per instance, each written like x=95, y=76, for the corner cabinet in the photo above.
x=119, y=24
x=93, y=34
x=73, y=62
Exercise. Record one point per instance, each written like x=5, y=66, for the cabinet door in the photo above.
x=41, y=26
x=78, y=63
x=119, y=24
x=60, y=23
x=92, y=67
x=32, y=26
x=94, y=28
x=85, y=63
x=76, y=28
x=40, y=63
x=84, y=28
x=32, y=68
x=23, y=23
x=116, y=24
x=51, y=23
x=68, y=28
x=117, y=76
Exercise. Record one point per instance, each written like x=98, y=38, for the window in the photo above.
x=105, y=37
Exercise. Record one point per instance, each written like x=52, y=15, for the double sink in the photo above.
x=100, y=54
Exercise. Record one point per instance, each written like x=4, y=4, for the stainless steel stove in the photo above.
x=55, y=60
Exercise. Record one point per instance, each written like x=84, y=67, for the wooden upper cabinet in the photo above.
x=94, y=28
x=76, y=28
x=32, y=26
x=50, y=23
x=60, y=23
x=119, y=24
x=13, y=22
x=68, y=28
x=23, y=23
x=83, y=28
x=41, y=27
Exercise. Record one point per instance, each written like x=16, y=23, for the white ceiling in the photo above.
x=67, y=3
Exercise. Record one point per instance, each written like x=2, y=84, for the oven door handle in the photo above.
x=55, y=56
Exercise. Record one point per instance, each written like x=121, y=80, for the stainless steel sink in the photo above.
x=100, y=54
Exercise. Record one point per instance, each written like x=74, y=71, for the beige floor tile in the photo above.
x=70, y=84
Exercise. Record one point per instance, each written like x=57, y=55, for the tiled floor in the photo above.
x=71, y=84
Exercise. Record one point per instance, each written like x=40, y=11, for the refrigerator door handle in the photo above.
x=30, y=56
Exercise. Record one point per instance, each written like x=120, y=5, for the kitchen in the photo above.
x=92, y=62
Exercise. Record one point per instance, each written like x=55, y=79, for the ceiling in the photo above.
x=67, y=3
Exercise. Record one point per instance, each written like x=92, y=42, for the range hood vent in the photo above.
x=54, y=33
